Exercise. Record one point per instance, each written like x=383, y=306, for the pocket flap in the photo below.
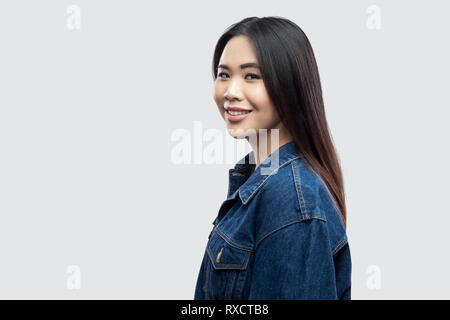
x=223, y=255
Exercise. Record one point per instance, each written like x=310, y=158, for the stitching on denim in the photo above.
x=318, y=216
x=296, y=188
x=264, y=181
x=305, y=215
x=213, y=239
x=288, y=222
x=301, y=191
x=233, y=243
x=277, y=227
x=339, y=246
x=224, y=264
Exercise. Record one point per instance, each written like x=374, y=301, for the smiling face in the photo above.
x=239, y=84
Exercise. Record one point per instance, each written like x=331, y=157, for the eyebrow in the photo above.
x=243, y=66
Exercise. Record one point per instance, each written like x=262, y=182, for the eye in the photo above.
x=219, y=75
x=252, y=74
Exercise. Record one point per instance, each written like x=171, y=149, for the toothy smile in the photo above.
x=236, y=113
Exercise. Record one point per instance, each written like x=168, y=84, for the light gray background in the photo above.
x=86, y=118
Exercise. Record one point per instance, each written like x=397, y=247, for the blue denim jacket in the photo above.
x=276, y=236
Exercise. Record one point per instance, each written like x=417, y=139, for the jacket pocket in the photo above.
x=227, y=270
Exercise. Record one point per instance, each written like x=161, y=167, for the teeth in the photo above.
x=236, y=113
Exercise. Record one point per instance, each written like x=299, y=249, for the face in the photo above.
x=241, y=86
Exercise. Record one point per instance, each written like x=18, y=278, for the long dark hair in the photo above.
x=290, y=74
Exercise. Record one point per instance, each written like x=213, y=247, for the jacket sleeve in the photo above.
x=297, y=262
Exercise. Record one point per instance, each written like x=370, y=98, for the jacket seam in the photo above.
x=299, y=186
x=340, y=245
x=231, y=242
x=264, y=181
x=282, y=225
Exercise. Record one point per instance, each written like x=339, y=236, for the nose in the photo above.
x=233, y=90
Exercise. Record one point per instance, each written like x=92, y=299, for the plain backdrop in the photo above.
x=92, y=204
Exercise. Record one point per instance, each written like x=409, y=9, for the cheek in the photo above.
x=265, y=119
x=265, y=114
x=259, y=98
x=218, y=94
x=219, y=88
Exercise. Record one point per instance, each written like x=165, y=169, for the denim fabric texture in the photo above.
x=278, y=235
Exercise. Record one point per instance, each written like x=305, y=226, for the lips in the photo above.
x=236, y=113
x=235, y=108
x=235, y=116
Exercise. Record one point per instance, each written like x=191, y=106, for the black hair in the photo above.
x=290, y=74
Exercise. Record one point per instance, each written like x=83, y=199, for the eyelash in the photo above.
x=248, y=74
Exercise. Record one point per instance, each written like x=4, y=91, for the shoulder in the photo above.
x=297, y=195
x=317, y=198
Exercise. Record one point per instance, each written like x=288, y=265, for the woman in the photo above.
x=281, y=232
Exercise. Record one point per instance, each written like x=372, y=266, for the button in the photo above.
x=218, y=256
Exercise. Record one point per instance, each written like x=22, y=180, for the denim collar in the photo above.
x=246, y=181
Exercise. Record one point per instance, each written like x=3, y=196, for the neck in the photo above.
x=264, y=144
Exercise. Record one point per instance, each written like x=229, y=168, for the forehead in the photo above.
x=237, y=51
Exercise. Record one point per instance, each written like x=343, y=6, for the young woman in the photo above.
x=281, y=232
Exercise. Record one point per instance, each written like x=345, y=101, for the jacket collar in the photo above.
x=246, y=181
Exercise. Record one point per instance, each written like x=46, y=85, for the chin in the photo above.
x=236, y=134
x=240, y=133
